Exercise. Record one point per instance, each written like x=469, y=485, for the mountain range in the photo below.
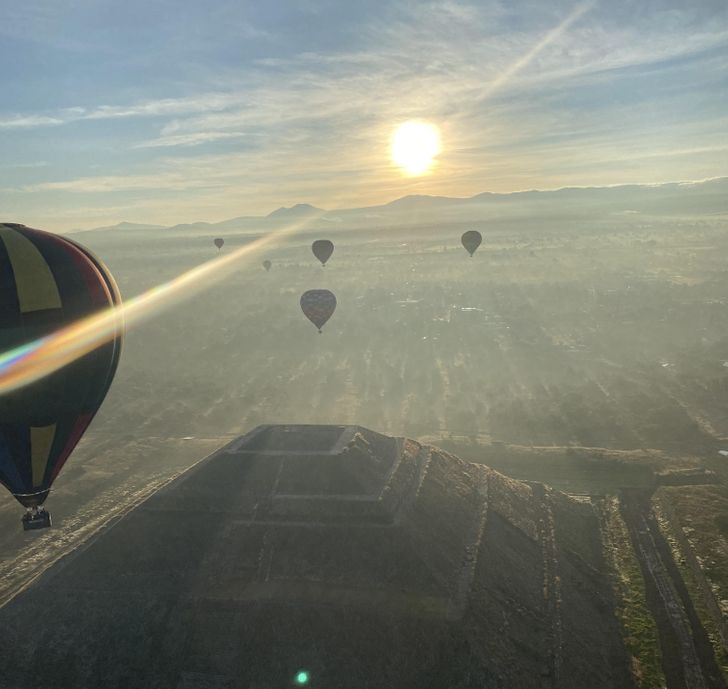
x=673, y=199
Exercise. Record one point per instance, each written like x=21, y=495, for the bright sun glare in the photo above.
x=414, y=146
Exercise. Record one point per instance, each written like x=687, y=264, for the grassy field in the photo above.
x=693, y=519
x=638, y=626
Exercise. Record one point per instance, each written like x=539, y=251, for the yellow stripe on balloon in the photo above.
x=41, y=440
x=34, y=282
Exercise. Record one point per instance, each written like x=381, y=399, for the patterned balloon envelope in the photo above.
x=48, y=282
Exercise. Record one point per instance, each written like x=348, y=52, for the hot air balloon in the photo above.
x=218, y=241
x=48, y=282
x=471, y=240
x=267, y=264
x=318, y=305
x=322, y=250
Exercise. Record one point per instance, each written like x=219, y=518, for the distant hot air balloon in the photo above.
x=46, y=283
x=267, y=264
x=318, y=305
x=219, y=241
x=322, y=250
x=471, y=240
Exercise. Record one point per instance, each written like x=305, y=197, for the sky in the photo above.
x=169, y=111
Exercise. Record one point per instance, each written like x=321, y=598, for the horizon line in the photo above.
x=684, y=182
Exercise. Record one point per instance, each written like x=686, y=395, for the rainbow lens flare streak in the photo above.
x=34, y=360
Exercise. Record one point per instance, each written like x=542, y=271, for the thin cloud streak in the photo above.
x=194, y=139
x=547, y=40
x=30, y=121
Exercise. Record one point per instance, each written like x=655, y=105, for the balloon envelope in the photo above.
x=46, y=283
x=471, y=240
x=267, y=264
x=318, y=305
x=219, y=241
x=322, y=250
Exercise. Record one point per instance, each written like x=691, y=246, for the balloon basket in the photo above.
x=36, y=519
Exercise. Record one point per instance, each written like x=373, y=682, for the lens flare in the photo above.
x=34, y=360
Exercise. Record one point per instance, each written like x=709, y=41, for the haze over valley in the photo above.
x=583, y=345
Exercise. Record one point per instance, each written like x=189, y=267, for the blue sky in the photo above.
x=166, y=112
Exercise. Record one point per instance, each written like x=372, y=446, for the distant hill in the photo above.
x=300, y=210
x=253, y=222
x=702, y=198
x=123, y=227
x=421, y=200
x=192, y=226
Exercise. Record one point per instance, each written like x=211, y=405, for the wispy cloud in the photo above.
x=29, y=121
x=185, y=140
x=119, y=183
x=31, y=166
x=419, y=53
x=206, y=102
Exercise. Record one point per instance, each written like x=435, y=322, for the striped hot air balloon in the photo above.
x=48, y=282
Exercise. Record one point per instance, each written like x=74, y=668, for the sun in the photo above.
x=414, y=146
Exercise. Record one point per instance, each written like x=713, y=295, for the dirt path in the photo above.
x=551, y=579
